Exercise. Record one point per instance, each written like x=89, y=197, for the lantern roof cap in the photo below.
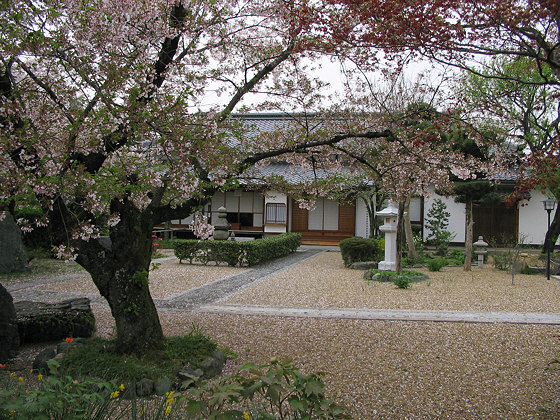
x=390, y=210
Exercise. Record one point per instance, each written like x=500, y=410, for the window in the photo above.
x=276, y=213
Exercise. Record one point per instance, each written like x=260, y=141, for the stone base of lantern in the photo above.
x=387, y=265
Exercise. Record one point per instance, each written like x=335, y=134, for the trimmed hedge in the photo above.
x=361, y=249
x=237, y=253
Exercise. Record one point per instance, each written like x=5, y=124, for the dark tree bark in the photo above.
x=400, y=218
x=469, y=238
x=408, y=231
x=119, y=267
x=552, y=233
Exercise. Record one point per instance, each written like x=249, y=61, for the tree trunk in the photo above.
x=412, y=253
x=119, y=267
x=469, y=238
x=552, y=233
x=398, y=260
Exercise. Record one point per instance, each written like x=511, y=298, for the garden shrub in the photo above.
x=437, y=264
x=238, y=253
x=457, y=256
x=360, y=249
x=528, y=270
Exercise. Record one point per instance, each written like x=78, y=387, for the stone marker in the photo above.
x=12, y=252
x=9, y=337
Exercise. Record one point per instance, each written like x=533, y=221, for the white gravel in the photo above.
x=397, y=370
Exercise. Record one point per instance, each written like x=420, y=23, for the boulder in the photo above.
x=9, y=337
x=38, y=321
x=12, y=252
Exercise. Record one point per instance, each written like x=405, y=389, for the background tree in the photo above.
x=437, y=222
x=465, y=34
x=512, y=95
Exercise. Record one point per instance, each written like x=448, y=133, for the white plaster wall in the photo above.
x=533, y=221
x=415, y=209
x=362, y=219
x=275, y=197
x=456, y=220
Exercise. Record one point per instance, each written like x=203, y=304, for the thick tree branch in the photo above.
x=260, y=75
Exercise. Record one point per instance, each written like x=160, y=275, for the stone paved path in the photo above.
x=203, y=299
x=224, y=287
x=389, y=314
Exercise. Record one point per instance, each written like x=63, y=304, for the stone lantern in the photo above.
x=221, y=227
x=480, y=252
x=390, y=216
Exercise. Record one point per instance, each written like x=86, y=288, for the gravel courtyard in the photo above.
x=385, y=369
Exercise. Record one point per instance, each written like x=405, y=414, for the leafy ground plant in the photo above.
x=276, y=390
x=403, y=280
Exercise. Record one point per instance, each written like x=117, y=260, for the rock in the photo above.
x=12, y=252
x=63, y=347
x=212, y=366
x=380, y=277
x=364, y=265
x=418, y=278
x=9, y=337
x=40, y=363
x=162, y=386
x=38, y=321
x=145, y=387
x=189, y=374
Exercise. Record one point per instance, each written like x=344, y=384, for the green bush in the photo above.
x=528, y=270
x=238, y=253
x=457, y=256
x=360, y=249
x=437, y=264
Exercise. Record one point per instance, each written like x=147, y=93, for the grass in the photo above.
x=99, y=359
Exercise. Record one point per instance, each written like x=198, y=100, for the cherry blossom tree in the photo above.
x=117, y=116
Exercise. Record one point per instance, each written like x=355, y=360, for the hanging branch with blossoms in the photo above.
x=201, y=228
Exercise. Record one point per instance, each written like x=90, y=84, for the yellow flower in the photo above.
x=246, y=415
x=169, y=394
x=169, y=401
x=21, y=379
x=121, y=387
x=114, y=394
x=40, y=377
x=13, y=413
x=167, y=410
x=12, y=375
